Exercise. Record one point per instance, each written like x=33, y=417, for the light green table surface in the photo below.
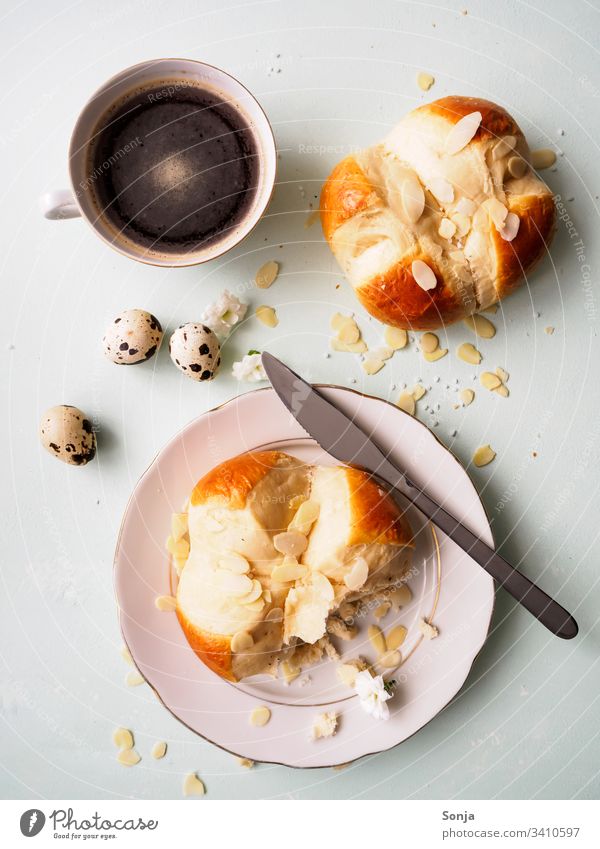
x=338, y=75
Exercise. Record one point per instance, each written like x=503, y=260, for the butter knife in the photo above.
x=343, y=438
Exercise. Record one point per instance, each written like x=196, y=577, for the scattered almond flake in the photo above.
x=241, y=642
x=395, y=338
x=372, y=366
x=429, y=342
x=447, y=228
x=382, y=610
x=462, y=132
x=497, y=212
x=178, y=548
x=468, y=353
x=312, y=219
x=395, y=637
x=511, y=227
x=229, y=582
x=128, y=757
x=377, y=639
x=423, y=275
x=504, y=147
x=517, y=167
x=324, y=725
x=267, y=315
x=253, y=594
x=390, y=659
x=493, y=309
x=260, y=716
x=356, y=348
x=465, y=206
x=418, y=391
x=503, y=375
x=462, y=224
x=179, y=525
x=123, y=738
x=290, y=571
x=126, y=655
x=290, y=542
x=429, y=631
x=543, y=158
x=441, y=189
x=245, y=762
x=489, y=380
x=425, y=81
x=400, y=596
x=483, y=455
x=502, y=390
x=165, y=603
x=267, y=274
x=434, y=356
x=159, y=750
x=406, y=402
x=305, y=517
x=480, y=325
x=382, y=353
x=289, y=672
x=467, y=396
x=358, y=574
x=193, y=786
x=413, y=198
x=549, y=330
x=349, y=332
x=134, y=679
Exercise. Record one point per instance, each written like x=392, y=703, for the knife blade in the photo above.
x=344, y=439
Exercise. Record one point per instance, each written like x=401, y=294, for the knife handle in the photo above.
x=534, y=599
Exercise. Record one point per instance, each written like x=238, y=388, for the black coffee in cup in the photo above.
x=173, y=167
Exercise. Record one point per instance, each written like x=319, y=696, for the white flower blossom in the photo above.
x=226, y=311
x=373, y=694
x=250, y=368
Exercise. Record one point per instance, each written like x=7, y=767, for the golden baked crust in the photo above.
x=374, y=515
x=231, y=482
x=376, y=235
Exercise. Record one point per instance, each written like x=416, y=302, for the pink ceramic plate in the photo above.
x=447, y=587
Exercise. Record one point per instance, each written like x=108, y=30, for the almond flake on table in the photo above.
x=469, y=354
x=123, y=738
x=429, y=343
x=267, y=274
x=489, y=380
x=480, y=325
x=543, y=158
x=134, y=679
x=462, y=132
x=549, y=330
x=425, y=81
x=406, y=402
x=434, y=356
x=467, y=396
x=502, y=374
x=159, y=750
x=128, y=757
x=395, y=338
x=193, y=786
x=245, y=762
x=260, y=716
x=418, y=391
x=267, y=315
x=483, y=455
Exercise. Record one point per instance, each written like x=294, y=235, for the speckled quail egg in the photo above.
x=133, y=337
x=67, y=434
x=195, y=350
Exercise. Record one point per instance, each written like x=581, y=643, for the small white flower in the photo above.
x=250, y=368
x=373, y=694
x=226, y=311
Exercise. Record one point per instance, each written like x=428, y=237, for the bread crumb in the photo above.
x=429, y=631
x=324, y=725
x=246, y=762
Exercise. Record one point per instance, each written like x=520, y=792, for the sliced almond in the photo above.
x=260, y=716
x=395, y=637
x=511, y=227
x=465, y=206
x=267, y=315
x=246, y=762
x=390, y=659
x=275, y=614
x=128, y=757
x=467, y=396
x=423, y=275
x=254, y=594
x=413, y=198
x=462, y=132
x=255, y=606
x=429, y=343
x=434, y=356
x=468, y=353
x=517, y=167
x=462, y=224
x=543, y=158
x=358, y=574
x=418, y=391
x=178, y=548
x=289, y=672
x=242, y=641
x=406, y=402
x=447, y=228
x=165, y=603
x=400, y=596
x=290, y=542
x=502, y=391
x=233, y=562
x=179, y=525
x=382, y=610
x=193, y=786
x=496, y=210
x=372, y=365
x=480, y=325
x=354, y=348
x=504, y=147
x=377, y=639
x=483, y=455
x=489, y=380
x=441, y=189
x=503, y=375
x=429, y=631
x=126, y=655
x=134, y=679
x=549, y=330
x=267, y=274
x=425, y=81
x=123, y=738
x=229, y=582
x=306, y=515
x=337, y=320
x=349, y=332
x=396, y=338
x=289, y=572
x=159, y=750
x=493, y=309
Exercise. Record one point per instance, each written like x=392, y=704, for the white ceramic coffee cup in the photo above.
x=81, y=201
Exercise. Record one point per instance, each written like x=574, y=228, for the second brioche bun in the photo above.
x=387, y=207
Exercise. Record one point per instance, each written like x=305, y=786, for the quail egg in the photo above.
x=67, y=434
x=195, y=350
x=133, y=337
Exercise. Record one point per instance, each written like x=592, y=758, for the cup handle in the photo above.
x=59, y=204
